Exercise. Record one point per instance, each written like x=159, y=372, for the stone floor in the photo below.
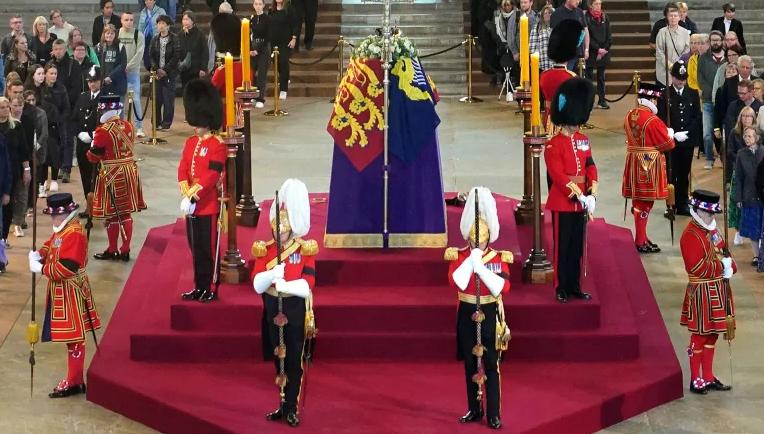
x=480, y=145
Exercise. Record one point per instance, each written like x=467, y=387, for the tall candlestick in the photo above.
x=535, y=94
x=524, y=50
x=246, y=75
x=230, y=113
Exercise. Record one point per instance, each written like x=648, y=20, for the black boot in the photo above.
x=581, y=295
x=193, y=294
x=207, y=296
x=124, y=257
x=106, y=256
x=67, y=391
x=699, y=390
x=292, y=418
x=471, y=416
x=275, y=415
x=562, y=297
x=494, y=422
x=717, y=385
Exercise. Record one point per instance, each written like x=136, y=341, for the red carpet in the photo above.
x=385, y=354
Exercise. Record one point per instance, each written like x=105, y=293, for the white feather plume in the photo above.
x=487, y=212
x=293, y=196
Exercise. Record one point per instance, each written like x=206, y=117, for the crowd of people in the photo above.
x=52, y=78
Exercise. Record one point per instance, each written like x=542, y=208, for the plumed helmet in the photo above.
x=226, y=29
x=293, y=209
x=564, y=41
x=489, y=218
x=573, y=102
x=204, y=108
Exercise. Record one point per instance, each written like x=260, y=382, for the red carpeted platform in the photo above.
x=385, y=355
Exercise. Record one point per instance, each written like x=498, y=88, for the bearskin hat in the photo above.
x=573, y=102
x=564, y=41
x=204, y=108
x=226, y=29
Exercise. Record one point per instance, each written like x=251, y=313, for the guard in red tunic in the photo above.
x=201, y=177
x=469, y=266
x=572, y=177
x=226, y=29
x=117, y=193
x=708, y=308
x=564, y=41
x=286, y=284
x=644, y=173
x=69, y=308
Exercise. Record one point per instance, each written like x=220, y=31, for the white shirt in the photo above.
x=727, y=24
x=678, y=91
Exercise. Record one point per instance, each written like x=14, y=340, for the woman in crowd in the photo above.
x=113, y=60
x=42, y=40
x=19, y=59
x=193, y=50
x=685, y=20
x=283, y=35
x=260, y=24
x=539, y=38
x=60, y=27
x=75, y=36
x=727, y=69
x=20, y=163
x=600, y=40
x=48, y=167
x=35, y=81
x=746, y=196
x=106, y=18
x=54, y=93
x=735, y=142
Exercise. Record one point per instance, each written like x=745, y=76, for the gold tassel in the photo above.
x=729, y=335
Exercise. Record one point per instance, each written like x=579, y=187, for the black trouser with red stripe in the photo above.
x=568, y=250
x=294, y=338
x=466, y=336
x=201, y=239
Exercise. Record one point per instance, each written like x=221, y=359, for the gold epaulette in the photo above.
x=308, y=247
x=259, y=249
x=451, y=254
x=506, y=256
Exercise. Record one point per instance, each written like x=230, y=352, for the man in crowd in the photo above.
x=685, y=118
x=133, y=42
x=745, y=98
x=570, y=11
x=728, y=23
x=731, y=40
x=730, y=91
x=307, y=10
x=6, y=45
x=513, y=29
x=708, y=65
x=64, y=67
x=661, y=23
x=165, y=53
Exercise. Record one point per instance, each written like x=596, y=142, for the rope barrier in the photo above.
x=319, y=60
x=146, y=104
x=437, y=53
x=626, y=92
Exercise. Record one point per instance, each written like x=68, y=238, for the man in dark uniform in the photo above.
x=686, y=120
x=86, y=116
x=573, y=180
x=200, y=174
x=468, y=265
x=286, y=279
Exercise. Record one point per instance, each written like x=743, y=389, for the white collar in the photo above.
x=678, y=91
x=57, y=229
x=709, y=227
x=649, y=104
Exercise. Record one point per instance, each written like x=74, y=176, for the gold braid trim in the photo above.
x=183, y=188
x=574, y=190
x=193, y=191
x=594, y=187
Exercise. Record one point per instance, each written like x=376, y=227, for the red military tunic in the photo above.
x=218, y=80
x=69, y=294
x=200, y=171
x=113, y=147
x=705, y=301
x=495, y=260
x=550, y=81
x=644, y=174
x=297, y=254
x=572, y=171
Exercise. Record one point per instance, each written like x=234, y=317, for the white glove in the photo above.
x=262, y=281
x=35, y=266
x=476, y=257
x=671, y=133
x=278, y=271
x=493, y=281
x=185, y=206
x=34, y=255
x=297, y=287
x=591, y=203
x=463, y=273
x=727, y=262
x=84, y=137
x=582, y=200
x=681, y=136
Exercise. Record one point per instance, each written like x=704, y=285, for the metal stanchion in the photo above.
x=276, y=112
x=340, y=65
x=153, y=140
x=470, y=41
x=524, y=211
x=581, y=70
x=247, y=209
x=232, y=269
x=537, y=269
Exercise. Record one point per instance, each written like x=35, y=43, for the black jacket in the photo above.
x=599, y=37
x=64, y=69
x=760, y=180
x=733, y=111
x=283, y=26
x=11, y=64
x=42, y=50
x=85, y=114
x=746, y=166
x=98, y=26
x=113, y=62
x=193, y=52
x=77, y=82
x=172, y=54
x=58, y=96
x=735, y=26
x=686, y=115
x=18, y=151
